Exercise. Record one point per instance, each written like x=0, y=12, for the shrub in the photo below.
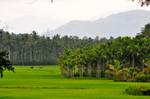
x=141, y=77
x=32, y=67
x=41, y=67
x=142, y=91
x=146, y=70
x=122, y=75
x=109, y=74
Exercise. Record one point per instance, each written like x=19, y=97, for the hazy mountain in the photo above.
x=121, y=24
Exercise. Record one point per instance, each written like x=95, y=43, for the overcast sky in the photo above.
x=41, y=15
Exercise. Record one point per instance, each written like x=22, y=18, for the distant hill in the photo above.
x=121, y=24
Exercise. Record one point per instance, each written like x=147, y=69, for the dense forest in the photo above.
x=123, y=59
x=32, y=49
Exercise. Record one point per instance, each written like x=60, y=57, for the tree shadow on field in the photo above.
x=11, y=97
x=7, y=97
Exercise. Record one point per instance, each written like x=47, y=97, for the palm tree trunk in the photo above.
x=133, y=60
x=98, y=70
x=81, y=71
x=89, y=70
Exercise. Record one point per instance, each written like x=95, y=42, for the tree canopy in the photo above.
x=123, y=58
x=4, y=63
x=32, y=49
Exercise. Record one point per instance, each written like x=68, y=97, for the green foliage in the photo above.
x=4, y=63
x=145, y=31
x=141, y=77
x=122, y=59
x=32, y=67
x=126, y=55
x=126, y=74
x=32, y=49
x=138, y=90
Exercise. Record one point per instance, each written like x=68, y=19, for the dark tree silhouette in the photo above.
x=5, y=63
x=143, y=2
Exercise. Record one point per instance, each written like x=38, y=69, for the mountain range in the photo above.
x=121, y=24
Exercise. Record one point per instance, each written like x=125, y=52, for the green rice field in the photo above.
x=45, y=82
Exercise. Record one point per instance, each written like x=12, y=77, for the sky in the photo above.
x=23, y=16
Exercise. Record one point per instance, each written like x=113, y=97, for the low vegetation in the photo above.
x=138, y=90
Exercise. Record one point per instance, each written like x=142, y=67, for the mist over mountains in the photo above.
x=122, y=24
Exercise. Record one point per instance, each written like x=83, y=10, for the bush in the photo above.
x=32, y=67
x=141, y=77
x=142, y=91
x=41, y=67
x=122, y=75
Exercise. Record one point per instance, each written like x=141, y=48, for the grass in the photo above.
x=47, y=83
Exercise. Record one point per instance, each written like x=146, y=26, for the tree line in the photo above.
x=123, y=58
x=32, y=49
